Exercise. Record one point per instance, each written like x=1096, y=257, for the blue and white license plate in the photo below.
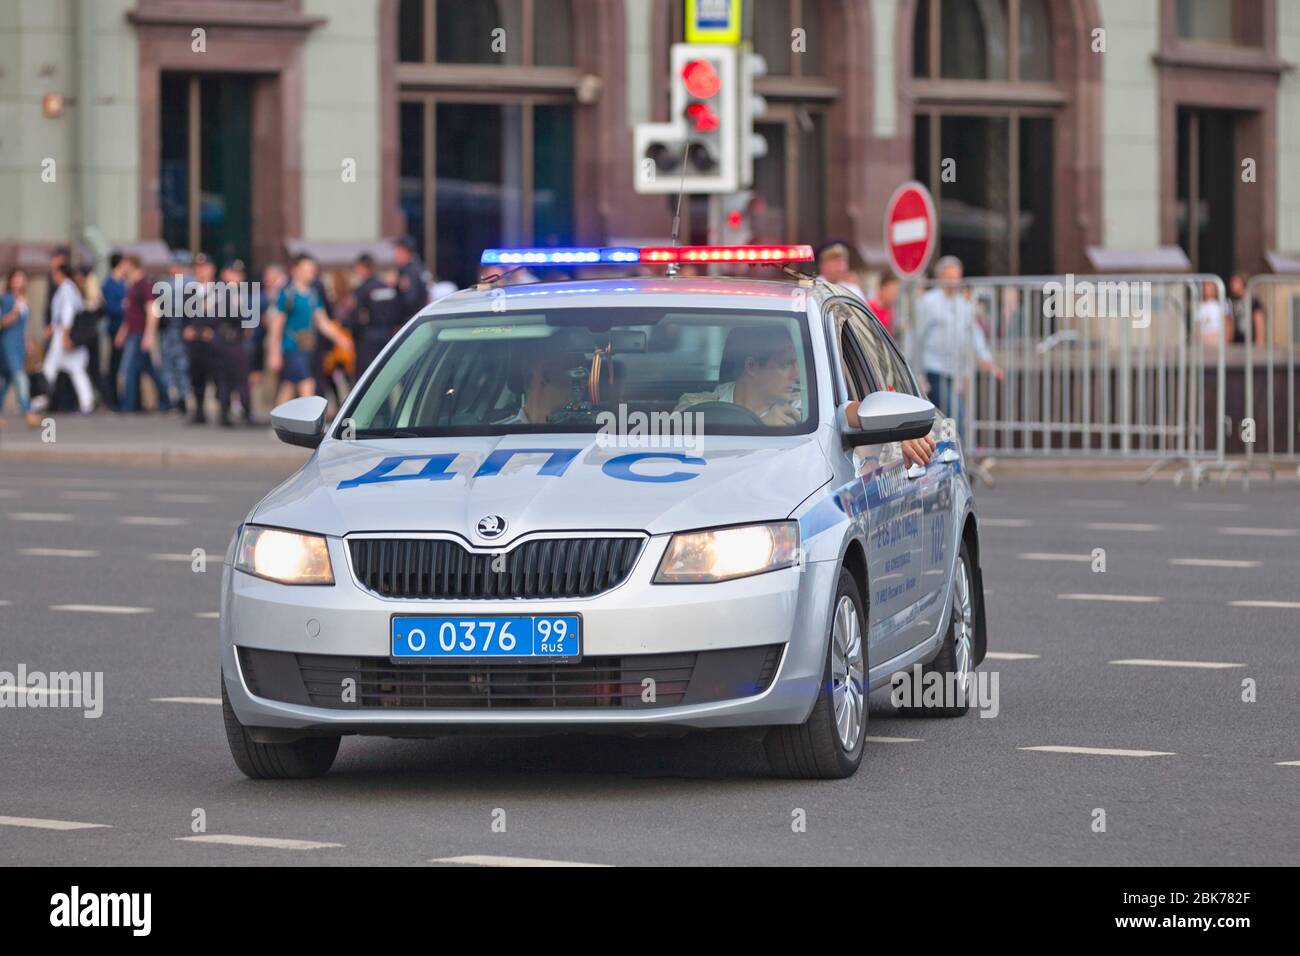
x=496, y=637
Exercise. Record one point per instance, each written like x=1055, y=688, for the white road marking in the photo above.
x=1096, y=502
x=1213, y=563
x=154, y=520
x=1212, y=506
x=1288, y=763
x=1118, y=598
x=40, y=824
x=6, y=603
x=1260, y=532
x=9, y=493
x=187, y=558
x=1150, y=662
x=40, y=691
x=1005, y=522
x=1101, y=751
x=1010, y=656
x=1051, y=556
x=59, y=553
x=480, y=859
x=892, y=740
x=1121, y=526
x=101, y=609
x=187, y=700
x=273, y=843
x=89, y=495
x=39, y=516
x=1274, y=604
x=186, y=499
x=209, y=615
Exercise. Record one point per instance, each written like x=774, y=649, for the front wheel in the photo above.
x=295, y=760
x=829, y=744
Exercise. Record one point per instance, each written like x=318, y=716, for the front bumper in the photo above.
x=781, y=618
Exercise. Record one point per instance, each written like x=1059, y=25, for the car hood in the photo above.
x=573, y=483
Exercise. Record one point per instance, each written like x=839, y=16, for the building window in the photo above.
x=1238, y=22
x=489, y=32
x=989, y=161
x=487, y=156
x=786, y=52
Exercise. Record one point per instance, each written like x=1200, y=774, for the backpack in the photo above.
x=85, y=330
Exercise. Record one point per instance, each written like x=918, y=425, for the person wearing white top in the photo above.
x=61, y=356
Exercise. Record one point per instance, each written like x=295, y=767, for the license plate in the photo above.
x=497, y=637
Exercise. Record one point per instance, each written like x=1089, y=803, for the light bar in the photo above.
x=703, y=254
x=560, y=257
x=659, y=255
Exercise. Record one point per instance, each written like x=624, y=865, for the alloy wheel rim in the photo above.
x=848, y=693
x=963, y=623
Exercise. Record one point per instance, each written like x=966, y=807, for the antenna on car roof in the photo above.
x=677, y=214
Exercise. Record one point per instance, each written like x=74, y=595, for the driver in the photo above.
x=546, y=384
x=764, y=376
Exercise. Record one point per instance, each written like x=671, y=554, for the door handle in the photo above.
x=915, y=471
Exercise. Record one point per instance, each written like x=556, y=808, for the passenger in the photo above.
x=545, y=384
x=762, y=374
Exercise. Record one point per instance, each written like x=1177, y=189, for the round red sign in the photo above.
x=910, y=229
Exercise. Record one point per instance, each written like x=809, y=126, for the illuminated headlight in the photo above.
x=284, y=556
x=697, y=557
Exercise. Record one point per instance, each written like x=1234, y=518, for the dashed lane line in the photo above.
x=156, y=521
x=58, y=553
x=482, y=859
x=270, y=843
x=208, y=615
x=1117, y=598
x=1213, y=563
x=101, y=609
x=39, y=824
x=1272, y=604
x=1121, y=526
x=1100, y=751
x=1152, y=662
x=1259, y=532
x=1052, y=556
x=187, y=700
x=1004, y=522
x=49, y=516
x=1010, y=656
x=892, y=740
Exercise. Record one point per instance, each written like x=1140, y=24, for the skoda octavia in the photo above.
x=620, y=505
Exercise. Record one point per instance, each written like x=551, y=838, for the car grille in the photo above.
x=432, y=568
x=317, y=680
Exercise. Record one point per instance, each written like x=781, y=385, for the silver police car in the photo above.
x=630, y=505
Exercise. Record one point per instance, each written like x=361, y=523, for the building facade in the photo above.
x=1056, y=135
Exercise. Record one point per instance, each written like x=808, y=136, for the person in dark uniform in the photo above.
x=231, y=350
x=412, y=280
x=200, y=332
x=376, y=315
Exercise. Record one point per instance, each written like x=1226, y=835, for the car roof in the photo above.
x=678, y=292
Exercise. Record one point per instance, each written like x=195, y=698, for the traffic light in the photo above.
x=752, y=106
x=702, y=138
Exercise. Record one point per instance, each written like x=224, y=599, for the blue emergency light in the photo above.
x=560, y=257
x=657, y=255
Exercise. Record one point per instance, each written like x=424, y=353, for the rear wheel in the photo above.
x=955, y=662
x=829, y=744
x=296, y=760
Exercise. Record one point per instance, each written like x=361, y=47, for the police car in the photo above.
x=624, y=504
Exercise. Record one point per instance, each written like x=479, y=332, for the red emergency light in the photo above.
x=704, y=254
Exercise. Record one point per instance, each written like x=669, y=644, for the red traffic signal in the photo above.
x=702, y=80
x=702, y=118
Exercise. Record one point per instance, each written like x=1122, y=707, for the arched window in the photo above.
x=988, y=152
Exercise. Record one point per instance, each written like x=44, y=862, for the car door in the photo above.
x=894, y=512
x=932, y=482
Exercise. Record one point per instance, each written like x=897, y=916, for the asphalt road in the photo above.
x=942, y=791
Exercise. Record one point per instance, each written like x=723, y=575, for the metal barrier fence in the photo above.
x=1268, y=429
x=1090, y=365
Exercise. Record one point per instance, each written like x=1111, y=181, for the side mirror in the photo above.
x=300, y=421
x=887, y=416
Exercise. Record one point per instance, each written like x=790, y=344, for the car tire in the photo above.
x=824, y=747
x=296, y=760
x=957, y=655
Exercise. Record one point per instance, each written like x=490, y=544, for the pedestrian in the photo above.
x=375, y=316
x=833, y=267
x=882, y=303
x=231, y=351
x=136, y=336
x=292, y=328
x=1211, y=318
x=114, y=289
x=199, y=332
x=946, y=332
x=14, y=313
x=274, y=278
x=1247, y=313
x=61, y=354
x=412, y=279
x=172, y=349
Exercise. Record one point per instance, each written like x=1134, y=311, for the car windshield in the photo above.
x=581, y=369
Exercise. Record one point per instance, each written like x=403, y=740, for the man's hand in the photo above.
x=119, y=339
x=917, y=451
x=779, y=415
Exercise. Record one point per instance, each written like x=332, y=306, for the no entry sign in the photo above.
x=910, y=229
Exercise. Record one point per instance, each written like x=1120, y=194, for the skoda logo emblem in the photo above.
x=491, y=526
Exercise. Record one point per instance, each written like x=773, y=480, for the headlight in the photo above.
x=284, y=556
x=697, y=557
